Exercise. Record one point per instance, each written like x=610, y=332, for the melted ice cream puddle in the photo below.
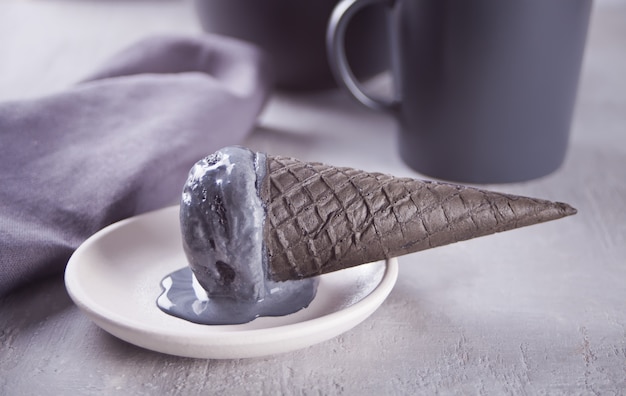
x=183, y=297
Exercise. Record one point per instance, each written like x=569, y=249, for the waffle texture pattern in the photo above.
x=322, y=218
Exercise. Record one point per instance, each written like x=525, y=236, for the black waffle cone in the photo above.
x=322, y=218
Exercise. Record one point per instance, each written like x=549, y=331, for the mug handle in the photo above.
x=335, y=45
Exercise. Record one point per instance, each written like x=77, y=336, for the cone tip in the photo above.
x=566, y=209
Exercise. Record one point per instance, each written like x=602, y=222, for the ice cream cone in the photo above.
x=322, y=218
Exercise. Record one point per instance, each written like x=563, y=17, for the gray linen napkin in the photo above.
x=117, y=144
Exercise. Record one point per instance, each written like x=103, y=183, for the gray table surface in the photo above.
x=540, y=310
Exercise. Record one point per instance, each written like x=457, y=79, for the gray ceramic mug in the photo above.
x=486, y=88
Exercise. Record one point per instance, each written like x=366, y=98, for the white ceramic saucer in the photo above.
x=114, y=277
